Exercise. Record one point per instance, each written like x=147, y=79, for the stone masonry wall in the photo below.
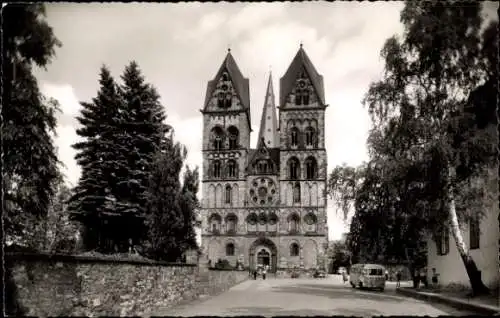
x=68, y=285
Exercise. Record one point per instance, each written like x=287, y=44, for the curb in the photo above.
x=456, y=303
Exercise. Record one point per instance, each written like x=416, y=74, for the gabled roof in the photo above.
x=240, y=83
x=272, y=153
x=287, y=82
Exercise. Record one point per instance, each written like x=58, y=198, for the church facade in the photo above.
x=265, y=205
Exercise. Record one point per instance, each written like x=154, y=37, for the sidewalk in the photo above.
x=485, y=305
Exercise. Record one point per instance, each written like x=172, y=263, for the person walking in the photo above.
x=423, y=277
x=254, y=274
x=434, y=278
x=264, y=272
x=344, y=276
x=398, y=279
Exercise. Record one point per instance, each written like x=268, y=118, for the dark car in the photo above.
x=319, y=274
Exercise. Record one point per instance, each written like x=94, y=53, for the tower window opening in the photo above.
x=310, y=136
x=228, y=194
x=216, y=169
x=296, y=193
x=231, y=169
x=217, y=136
x=230, y=249
x=293, y=168
x=294, y=136
x=311, y=168
x=294, y=223
x=294, y=249
x=233, y=137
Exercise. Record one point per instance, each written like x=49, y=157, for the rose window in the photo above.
x=263, y=191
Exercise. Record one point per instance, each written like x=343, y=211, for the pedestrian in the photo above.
x=416, y=278
x=398, y=279
x=344, y=276
x=264, y=271
x=423, y=277
x=255, y=274
x=434, y=277
x=386, y=274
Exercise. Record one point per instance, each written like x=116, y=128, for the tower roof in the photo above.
x=299, y=62
x=240, y=83
x=269, y=123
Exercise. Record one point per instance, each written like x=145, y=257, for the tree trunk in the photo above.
x=474, y=274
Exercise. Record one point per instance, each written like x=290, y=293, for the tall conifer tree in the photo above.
x=93, y=198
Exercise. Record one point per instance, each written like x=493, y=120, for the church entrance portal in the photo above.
x=263, y=252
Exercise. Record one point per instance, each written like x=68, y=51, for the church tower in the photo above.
x=226, y=142
x=303, y=159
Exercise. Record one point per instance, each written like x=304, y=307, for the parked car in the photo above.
x=319, y=274
x=367, y=276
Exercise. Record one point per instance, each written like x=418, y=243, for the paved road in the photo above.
x=327, y=296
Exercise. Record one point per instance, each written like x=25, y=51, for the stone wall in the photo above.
x=55, y=285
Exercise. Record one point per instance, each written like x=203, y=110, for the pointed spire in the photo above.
x=268, y=123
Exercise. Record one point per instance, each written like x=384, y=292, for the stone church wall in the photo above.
x=62, y=285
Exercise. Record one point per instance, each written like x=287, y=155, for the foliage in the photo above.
x=342, y=185
x=340, y=255
x=30, y=164
x=425, y=145
x=123, y=127
x=142, y=132
x=62, y=232
x=188, y=203
x=165, y=219
x=96, y=154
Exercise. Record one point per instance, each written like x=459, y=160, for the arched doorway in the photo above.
x=263, y=251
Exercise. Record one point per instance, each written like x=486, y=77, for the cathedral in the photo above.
x=265, y=205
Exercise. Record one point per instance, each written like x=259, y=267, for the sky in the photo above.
x=180, y=46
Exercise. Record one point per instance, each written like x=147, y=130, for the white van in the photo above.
x=367, y=276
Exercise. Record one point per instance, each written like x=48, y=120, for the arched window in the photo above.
x=293, y=223
x=233, y=137
x=311, y=168
x=217, y=137
x=262, y=167
x=310, y=136
x=294, y=249
x=231, y=222
x=232, y=171
x=228, y=195
x=216, y=169
x=294, y=136
x=229, y=249
x=302, y=91
x=293, y=168
x=296, y=193
x=214, y=221
x=305, y=96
